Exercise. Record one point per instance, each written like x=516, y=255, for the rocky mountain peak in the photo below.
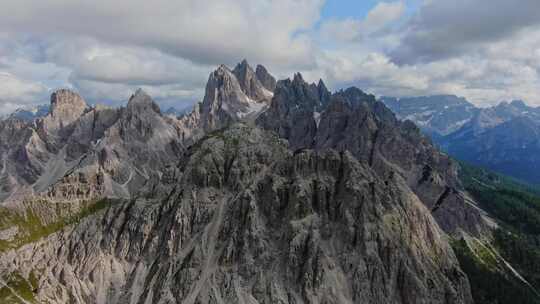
x=142, y=102
x=221, y=83
x=297, y=78
x=519, y=104
x=267, y=80
x=224, y=100
x=250, y=83
x=67, y=105
x=65, y=109
x=321, y=85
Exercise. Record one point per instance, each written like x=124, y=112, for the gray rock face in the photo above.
x=267, y=80
x=81, y=153
x=132, y=147
x=250, y=83
x=66, y=108
x=250, y=221
x=293, y=113
x=29, y=146
x=232, y=96
x=356, y=122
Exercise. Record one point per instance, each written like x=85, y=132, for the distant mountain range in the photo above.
x=28, y=114
x=504, y=138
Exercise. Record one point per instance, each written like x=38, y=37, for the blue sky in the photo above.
x=341, y=9
x=347, y=8
x=105, y=50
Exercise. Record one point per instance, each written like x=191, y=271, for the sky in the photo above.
x=105, y=50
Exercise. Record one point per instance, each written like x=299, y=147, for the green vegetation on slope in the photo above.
x=516, y=206
x=31, y=227
x=488, y=284
x=16, y=289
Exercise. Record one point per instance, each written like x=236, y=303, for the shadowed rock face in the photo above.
x=267, y=80
x=353, y=121
x=250, y=83
x=293, y=113
x=251, y=220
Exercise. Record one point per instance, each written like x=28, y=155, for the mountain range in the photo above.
x=30, y=114
x=504, y=138
x=266, y=192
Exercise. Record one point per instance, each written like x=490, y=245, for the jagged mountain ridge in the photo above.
x=345, y=195
x=79, y=152
x=437, y=115
x=353, y=120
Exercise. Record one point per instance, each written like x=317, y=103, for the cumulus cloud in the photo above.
x=168, y=47
x=107, y=49
x=203, y=31
x=442, y=29
x=486, y=53
x=16, y=92
x=92, y=60
x=350, y=29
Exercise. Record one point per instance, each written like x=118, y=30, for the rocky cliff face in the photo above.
x=251, y=221
x=251, y=84
x=295, y=111
x=266, y=79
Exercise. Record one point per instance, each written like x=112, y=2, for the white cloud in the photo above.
x=379, y=18
x=92, y=60
x=204, y=31
x=443, y=29
x=106, y=49
x=16, y=92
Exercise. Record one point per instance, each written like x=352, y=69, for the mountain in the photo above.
x=437, y=115
x=30, y=114
x=503, y=138
x=511, y=148
x=176, y=112
x=290, y=195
